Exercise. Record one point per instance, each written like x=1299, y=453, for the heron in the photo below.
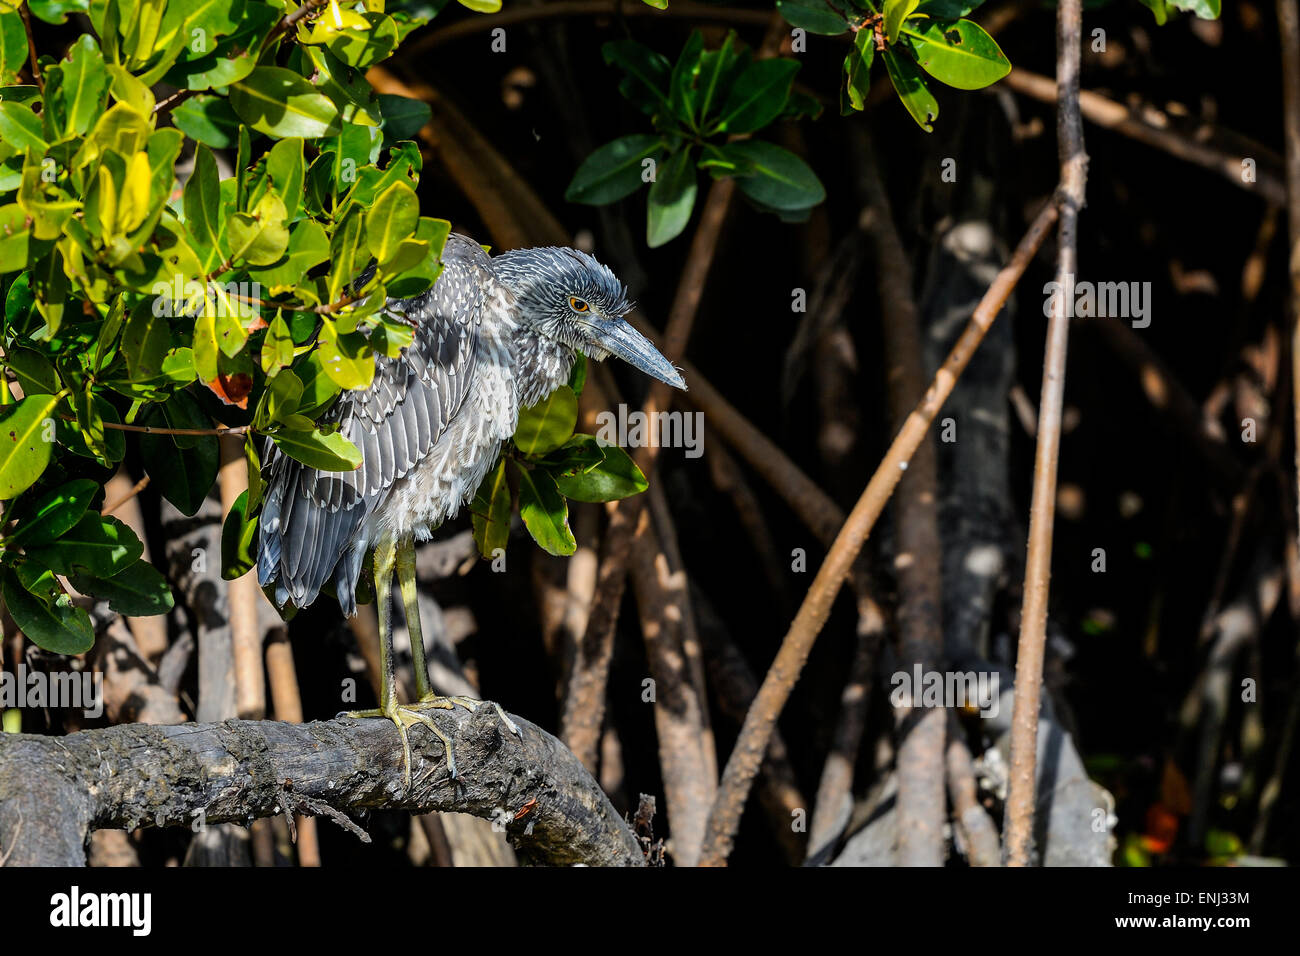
x=492, y=335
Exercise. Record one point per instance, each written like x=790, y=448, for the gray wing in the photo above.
x=311, y=519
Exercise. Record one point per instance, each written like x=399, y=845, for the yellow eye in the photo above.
x=577, y=305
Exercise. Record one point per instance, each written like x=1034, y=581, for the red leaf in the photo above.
x=232, y=389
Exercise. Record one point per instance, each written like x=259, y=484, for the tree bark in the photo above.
x=55, y=790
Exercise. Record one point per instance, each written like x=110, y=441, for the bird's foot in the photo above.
x=472, y=704
x=403, y=716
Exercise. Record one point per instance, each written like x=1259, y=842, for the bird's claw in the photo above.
x=403, y=716
x=471, y=704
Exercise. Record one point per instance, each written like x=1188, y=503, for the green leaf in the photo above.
x=202, y=205
x=97, y=545
x=578, y=374
x=90, y=426
x=545, y=512
x=238, y=540
x=1205, y=9
x=614, y=170
x=45, y=613
x=758, y=96
x=648, y=73
x=346, y=254
x=53, y=513
x=183, y=467
x=362, y=44
x=139, y=591
x=671, y=199
x=308, y=247
x=325, y=452
x=957, y=52
x=579, y=454
x=681, y=82
x=261, y=237
x=717, y=73
x=256, y=485
x=857, y=70
x=403, y=117
x=1159, y=10
x=126, y=88
x=20, y=127
x=896, y=11
x=87, y=435
x=82, y=88
x=947, y=9
x=346, y=88
x=548, y=424
x=318, y=389
x=206, y=347
x=13, y=46
x=391, y=219
x=56, y=11
x=277, y=347
x=285, y=170
x=347, y=358
x=490, y=511
x=614, y=478
x=207, y=119
x=17, y=238
x=815, y=16
x=775, y=177
x=910, y=84
x=33, y=372
x=26, y=440
x=145, y=341
x=49, y=282
x=279, y=103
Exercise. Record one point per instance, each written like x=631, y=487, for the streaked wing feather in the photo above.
x=395, y=423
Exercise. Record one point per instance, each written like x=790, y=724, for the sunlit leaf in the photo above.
x=45, y=613
x=548, y=424
x=326, y=452
x=96, y=544
x=26, y=440
x=490, y=511
x=545, y=512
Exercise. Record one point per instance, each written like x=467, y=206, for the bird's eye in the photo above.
x=578, y=305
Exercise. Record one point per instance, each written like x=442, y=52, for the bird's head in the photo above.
x=568, y=296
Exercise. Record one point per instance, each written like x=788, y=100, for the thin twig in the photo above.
x=155, y=430
x=31, y=47
x=798, y=641
x=138, y=487
x=168, y=102
x=1038, y=562
x=1118, y=118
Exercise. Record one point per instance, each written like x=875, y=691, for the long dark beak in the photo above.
x=619, y=338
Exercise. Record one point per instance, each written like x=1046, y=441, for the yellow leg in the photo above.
x=411, y=608
x=386, y=556
x=425, y=695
